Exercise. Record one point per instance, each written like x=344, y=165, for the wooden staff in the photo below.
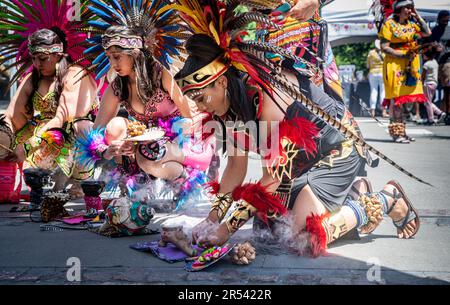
x=7, y=148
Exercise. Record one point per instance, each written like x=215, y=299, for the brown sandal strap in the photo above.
x=355, y=191
x=401, y=223
x=396, y=195
x=410, y=214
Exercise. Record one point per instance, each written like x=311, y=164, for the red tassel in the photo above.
x=318, y=236
x=214, y=187
x=258, y=196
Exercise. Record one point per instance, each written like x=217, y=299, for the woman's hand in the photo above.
x=119, y=148
x=208, y=234
x=415, y=14
x=410, y=55
x=202, y=229
x=304, y=9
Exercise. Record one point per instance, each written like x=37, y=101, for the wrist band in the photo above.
x=100, y=150
x=243, y=212
x=222, y=204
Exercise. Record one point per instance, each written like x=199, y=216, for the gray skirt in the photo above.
x=331, y=185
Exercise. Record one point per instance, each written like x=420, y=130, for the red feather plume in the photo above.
x=318, y=236
x=299, y=131
x=214, y=187
x=257, y=195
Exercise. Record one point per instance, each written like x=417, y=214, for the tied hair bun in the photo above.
x=62, y=36
x=203, y=47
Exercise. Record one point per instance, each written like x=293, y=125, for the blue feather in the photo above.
x=164, y=59
x=106, y=8
x=84, y=144
x=193, y=187
x=93, y=49
x=102, y=72
x=152, y=5
x=95, y=39
x=170, y=28
x=161, y=5
x=127, y=5
x=171, y=40
x=101, y=14
x=164, y=17
x=117, y=5
x=99, y=58
x=99, y=24
x=170, y=49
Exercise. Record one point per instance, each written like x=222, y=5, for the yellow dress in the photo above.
x=401, y=85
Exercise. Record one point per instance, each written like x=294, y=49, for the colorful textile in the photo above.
x=170, y=253
x=46, y=105
x=159, y=106
x=307, y=41
x=42, y=154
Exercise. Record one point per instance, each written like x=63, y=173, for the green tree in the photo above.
x=353, y=54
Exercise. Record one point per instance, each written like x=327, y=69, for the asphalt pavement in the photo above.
x=31, y=256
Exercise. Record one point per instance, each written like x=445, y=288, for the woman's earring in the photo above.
x=57, y=69
x=111, y=75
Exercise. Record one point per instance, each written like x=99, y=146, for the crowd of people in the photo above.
x=203, y=63
x=408, y=65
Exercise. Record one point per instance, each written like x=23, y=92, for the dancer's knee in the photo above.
x=116, y=129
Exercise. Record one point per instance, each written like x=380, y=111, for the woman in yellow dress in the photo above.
x=401, y=70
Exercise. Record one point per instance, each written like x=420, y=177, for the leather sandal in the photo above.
x=354, y=193
x=411, y=214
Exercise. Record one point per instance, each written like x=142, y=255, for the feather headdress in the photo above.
x=21, y=18
x=222, y=22
x=382, y=10
x=162, y=34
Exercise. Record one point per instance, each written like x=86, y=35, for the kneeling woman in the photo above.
x=150, y=96
x=50, y=106
x=316, y=166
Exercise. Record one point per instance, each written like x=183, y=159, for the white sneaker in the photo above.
x=442, y=118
